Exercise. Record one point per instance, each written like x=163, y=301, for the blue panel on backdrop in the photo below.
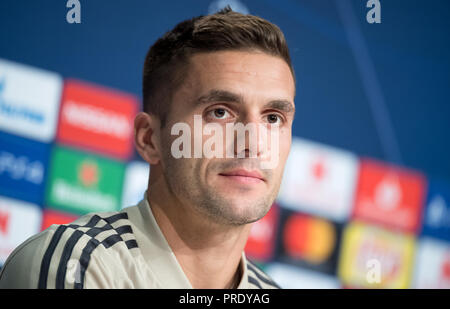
x=23, y=166
x=436, y=218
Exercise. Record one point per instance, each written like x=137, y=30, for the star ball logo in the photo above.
x=88, y=173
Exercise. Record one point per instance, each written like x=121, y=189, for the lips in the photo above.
x=244, y=174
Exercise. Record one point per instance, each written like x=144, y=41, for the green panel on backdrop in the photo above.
x=81, y=182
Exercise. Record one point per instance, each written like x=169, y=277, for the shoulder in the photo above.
x=258, y=278
x=64, y=255
x=21, y=269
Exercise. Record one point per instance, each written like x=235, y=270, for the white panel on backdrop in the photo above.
x=432, y=269
x=18, y=221
x=290, y=277
x=319, y=180
x=135, y=183
x=29, y=101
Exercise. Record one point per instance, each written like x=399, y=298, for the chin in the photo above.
x=248, y=210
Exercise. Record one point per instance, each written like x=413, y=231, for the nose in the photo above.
x=247, y=136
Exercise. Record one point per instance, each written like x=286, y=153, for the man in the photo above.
x=190, y=229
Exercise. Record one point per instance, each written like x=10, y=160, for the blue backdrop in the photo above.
x=378, y=90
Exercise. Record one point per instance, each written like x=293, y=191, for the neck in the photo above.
x=209, y=253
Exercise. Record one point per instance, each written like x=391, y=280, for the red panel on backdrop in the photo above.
x=97, y=119
x=50, y=217
x=389, y=195
x=261, y=242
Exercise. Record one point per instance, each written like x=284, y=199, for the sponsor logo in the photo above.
x=307, y=238
x=261, y=242
x=82, y=183
x=97, y=119
x=88, y=173
x=68, y=193
x=22, y=168
x=18, y=221
x=436, y=211
x=309, y=242
x=389, y=195
x=4, y=222
x=18, y=110
x=436, y=222
x=375, y=258
x=319, y=180
x=31, y=113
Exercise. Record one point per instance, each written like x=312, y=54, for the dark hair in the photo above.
x=166, y=62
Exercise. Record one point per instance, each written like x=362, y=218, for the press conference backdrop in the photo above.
x=365, y=199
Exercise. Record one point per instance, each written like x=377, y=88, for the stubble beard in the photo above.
x=207, y=200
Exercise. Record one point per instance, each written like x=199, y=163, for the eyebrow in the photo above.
x=282, y=105
x=219, y=95
x=216, y=95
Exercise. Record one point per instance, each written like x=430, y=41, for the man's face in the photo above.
x=230, y=87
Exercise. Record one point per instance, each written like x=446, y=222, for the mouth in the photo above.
x=244, y=176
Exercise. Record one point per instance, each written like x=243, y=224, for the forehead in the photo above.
x=244, y=72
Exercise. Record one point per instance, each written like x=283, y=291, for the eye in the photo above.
x=219, y=113
x=274, y=119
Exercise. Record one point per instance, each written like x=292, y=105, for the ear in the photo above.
x=147, y=137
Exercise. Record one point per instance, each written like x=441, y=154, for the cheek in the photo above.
x=285, y=146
